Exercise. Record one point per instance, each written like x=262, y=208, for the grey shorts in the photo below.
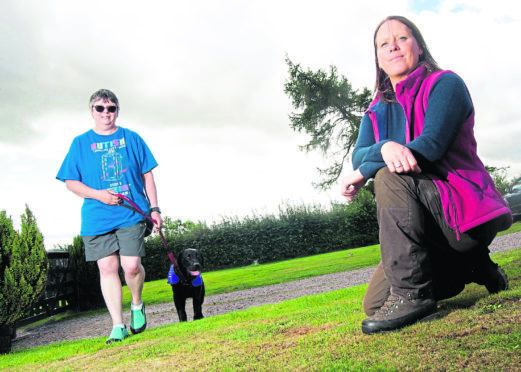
x=128, y=241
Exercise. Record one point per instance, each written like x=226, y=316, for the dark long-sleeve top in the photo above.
x=449, y=105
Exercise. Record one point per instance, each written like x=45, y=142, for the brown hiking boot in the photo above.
x=397, y=313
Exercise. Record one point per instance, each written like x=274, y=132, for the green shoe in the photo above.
x=138, y=320
x=118, y=334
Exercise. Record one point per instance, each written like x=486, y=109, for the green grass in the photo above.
x=477, y=331
x=217, y=282
x=516, y=227
x=322, y=332
x=224, y=281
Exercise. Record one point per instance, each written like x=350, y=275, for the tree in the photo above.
x=171, y=226
x=330, y=112
x=501, y=180
x=23, y=267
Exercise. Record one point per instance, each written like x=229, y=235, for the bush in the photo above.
x=86, y=276
x=156, y=261
x=296, y=232
x=23, y=267
x=361, y=220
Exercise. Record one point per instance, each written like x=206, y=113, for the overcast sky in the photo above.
x=202, y=82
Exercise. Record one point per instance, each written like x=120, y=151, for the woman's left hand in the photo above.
x=156, y=216
x=351, y=184
x=399, y=159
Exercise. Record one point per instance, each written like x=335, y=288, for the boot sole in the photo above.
x=139, y=330
x=373, y=327
x=142, y=328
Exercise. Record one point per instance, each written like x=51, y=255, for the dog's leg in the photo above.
x=180, y=304
x=198, y=303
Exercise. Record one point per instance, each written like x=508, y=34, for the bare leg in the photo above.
x=111, y=286
x=134, y=276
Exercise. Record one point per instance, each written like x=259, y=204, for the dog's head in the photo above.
x=191, y=262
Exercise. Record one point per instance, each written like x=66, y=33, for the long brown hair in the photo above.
x=383, y=85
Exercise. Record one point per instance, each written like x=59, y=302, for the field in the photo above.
x=476, y=331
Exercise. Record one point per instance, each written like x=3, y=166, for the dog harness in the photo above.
x=173, y=279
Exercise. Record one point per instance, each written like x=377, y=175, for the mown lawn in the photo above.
x=477, y=331
x=257, y=276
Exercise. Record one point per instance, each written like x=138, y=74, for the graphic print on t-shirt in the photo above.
x=112, y=164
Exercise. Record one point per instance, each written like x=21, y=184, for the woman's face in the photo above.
x=397, y=51
x=105, y=120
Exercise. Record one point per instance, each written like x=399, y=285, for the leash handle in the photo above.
x=138, y=210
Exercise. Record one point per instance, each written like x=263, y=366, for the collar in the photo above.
x=375, y=107
x=411, y=85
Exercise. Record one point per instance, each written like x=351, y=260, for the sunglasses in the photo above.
x=100, y=108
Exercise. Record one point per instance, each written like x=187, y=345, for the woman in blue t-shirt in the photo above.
x=102, y=162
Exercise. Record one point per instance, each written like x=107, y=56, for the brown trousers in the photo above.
x=421, y=255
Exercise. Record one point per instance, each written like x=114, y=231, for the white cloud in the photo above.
x=203, y=84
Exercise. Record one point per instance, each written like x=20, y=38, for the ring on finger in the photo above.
x=399, y=165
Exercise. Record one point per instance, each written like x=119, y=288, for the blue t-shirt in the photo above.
x=113, y=162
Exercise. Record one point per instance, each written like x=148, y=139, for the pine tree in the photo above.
x=23, y=267
x=329, y=110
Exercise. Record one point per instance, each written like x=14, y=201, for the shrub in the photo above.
x=361, y=220
x=296, y=232
x=86, y=276
x=23, y=267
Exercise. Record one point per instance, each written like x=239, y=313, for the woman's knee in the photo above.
x=132, y=265
x=108, y=265
x=391, y=189
x=381, y=179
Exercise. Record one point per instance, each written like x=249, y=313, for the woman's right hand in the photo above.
x=351, y=184
x=399, y=159
x=108, y=197
x=86, y=192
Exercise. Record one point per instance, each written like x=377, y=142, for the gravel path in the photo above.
x=162, y=314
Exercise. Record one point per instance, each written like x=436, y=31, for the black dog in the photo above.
x=187, y=282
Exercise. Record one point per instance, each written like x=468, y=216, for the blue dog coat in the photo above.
x=197, y=281
x=173, y=279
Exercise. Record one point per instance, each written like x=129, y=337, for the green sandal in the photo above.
x=138, y=320
x=118, y=334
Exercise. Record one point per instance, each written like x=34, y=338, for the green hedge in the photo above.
x=295, y=232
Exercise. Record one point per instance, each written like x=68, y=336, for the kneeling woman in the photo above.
x=438, y=208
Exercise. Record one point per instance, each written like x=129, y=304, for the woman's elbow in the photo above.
x=356, y=159
x=69, y=184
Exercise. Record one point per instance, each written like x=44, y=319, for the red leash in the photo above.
x=136, y=209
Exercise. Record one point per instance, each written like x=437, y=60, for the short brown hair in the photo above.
x=103, y=94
